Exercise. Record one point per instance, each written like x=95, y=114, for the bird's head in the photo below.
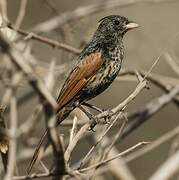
x=116, y=24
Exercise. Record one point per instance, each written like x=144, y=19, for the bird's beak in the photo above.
x=132, y=25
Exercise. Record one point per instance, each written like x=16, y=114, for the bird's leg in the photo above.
x=93, y=107
x=97, y=109
x=90, y=116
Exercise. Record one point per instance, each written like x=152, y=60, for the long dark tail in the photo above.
x=63, y=114
x=37, y=150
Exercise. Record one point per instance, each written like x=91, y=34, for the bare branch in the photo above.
x=21, y=63
x=172, y=63
x=116, y=137
x=50, y=42
x=21, y=14
x=83, y=11
x=140, y=116
x=12, y=139
x=3, y=9
x=115, y=157
x=118, y=168
x=118, y=108
x=81, y=133
x=168, y=169
x=155, y=144
x=87, y=156
x=73, y=129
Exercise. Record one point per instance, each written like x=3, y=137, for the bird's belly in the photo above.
x=102, y=79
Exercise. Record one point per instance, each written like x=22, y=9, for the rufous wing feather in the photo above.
x=79, y=77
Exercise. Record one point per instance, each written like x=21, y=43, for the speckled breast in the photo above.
x=105, y=75
x=103, y=78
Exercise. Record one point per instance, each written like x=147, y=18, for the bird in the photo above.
x=95, y=69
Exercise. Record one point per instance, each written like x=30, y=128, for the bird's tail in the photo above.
x=37, y=150
x=63, y=114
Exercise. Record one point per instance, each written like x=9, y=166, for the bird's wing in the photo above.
x=79, y=77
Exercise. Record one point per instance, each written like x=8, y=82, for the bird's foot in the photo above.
x=94, y=122
x=106, y=120
x=92, y=125
x=108, y=116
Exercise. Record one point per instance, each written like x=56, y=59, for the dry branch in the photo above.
x=137, y=118
x=12, y=139
x=168, y=169
x=115, y=157
x=83, y=11
x=49, y=107
x=45, y=40
x=80, y=134
x=20, y=62
x=21, y=14
x=162, y=139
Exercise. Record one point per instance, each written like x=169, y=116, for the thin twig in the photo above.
x=83, y=11
x=50, y=5
x=59, y=164
x=131, y=97
x=81, y=133
x=171, y=63
x=86, y=158
x=31, y=122
x=117, y=110
x=73, y=129
x=34, y=176
x=118, y=168
x=162, y=139
x=45, y=40
x=116, y=156
x=168, y=169
x=137, y=118
x=3, y=9
x=9, y=90
x=163, y=82
x=12, y=140
x=21, y=14
x=21, y=63
x=116, y=137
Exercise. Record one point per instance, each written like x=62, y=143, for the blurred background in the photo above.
x=157, y=33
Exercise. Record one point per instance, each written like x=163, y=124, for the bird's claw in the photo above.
x=108, y=116
x=147, y=86
x=106, y=120
x=93, y=124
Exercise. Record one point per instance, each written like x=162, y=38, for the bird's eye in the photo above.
x=116, y=22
